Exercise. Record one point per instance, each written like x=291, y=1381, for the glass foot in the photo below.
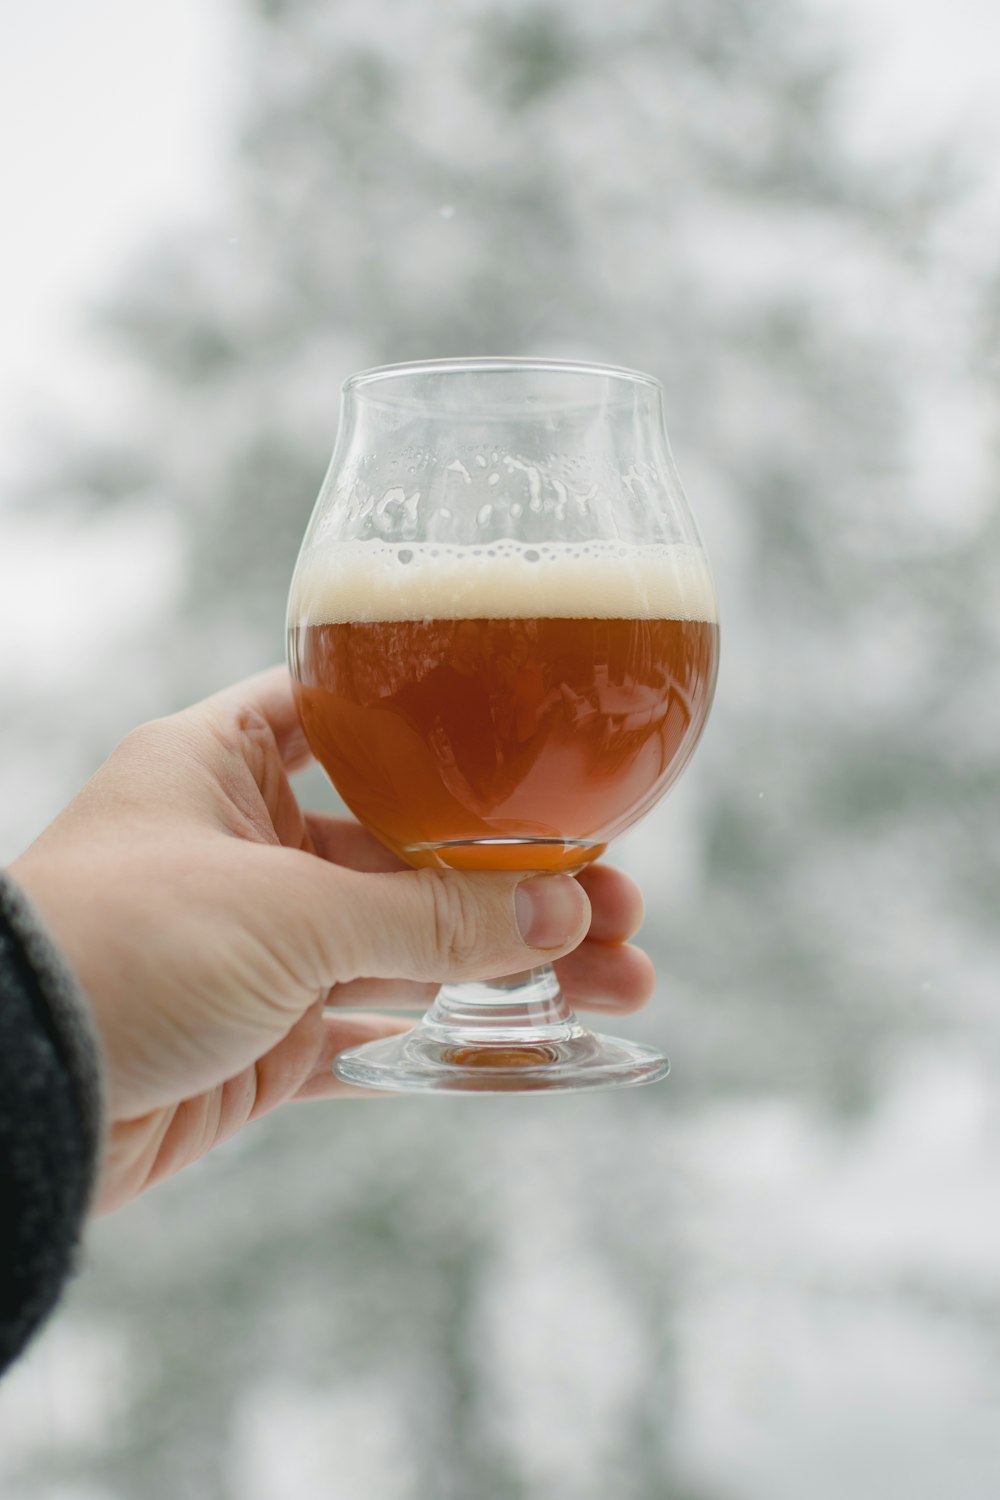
x=419, y=1062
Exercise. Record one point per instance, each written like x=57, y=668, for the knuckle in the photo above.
x=246, y=723
x=139, y=756
x=156, y=739
x=457, y=930
x=140, y=740
x=241, y=731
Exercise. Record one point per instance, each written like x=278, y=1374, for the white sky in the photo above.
x=113, y=118
x=926, y=69
x=112, y=124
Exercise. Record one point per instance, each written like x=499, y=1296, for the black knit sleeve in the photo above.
x=50, y=1120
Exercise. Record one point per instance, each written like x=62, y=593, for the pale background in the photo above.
x=778, y=1274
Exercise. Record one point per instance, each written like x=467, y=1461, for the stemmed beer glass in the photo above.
x=503, y=636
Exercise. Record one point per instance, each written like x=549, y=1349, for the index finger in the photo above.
x=267, y=695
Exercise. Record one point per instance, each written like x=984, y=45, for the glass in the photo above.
x=502, y=632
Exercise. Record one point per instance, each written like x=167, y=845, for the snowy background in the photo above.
x=776, y=1275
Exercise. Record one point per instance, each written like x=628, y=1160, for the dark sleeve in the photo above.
x=50, y=1120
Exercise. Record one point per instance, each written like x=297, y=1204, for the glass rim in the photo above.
x=496, y=364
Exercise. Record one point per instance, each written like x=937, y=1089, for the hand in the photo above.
x=218, y=929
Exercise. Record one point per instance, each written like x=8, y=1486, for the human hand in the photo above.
x=218, y=929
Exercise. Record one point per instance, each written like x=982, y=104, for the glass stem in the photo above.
x=525, y=1009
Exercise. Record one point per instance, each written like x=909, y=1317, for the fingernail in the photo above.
x=548, y=910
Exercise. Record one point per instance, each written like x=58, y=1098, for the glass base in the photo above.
x=417, y=1063
x=514, y=1035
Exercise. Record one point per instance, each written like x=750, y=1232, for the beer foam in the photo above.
x=367, y=581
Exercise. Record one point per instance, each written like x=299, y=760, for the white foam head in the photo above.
x=348, y=581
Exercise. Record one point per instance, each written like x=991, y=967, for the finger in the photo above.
x=340, y=1033
x=267, y=696
x=611, y=977
x=595, y=976
x=343, y=841
x=429, y=924
x=616, y=903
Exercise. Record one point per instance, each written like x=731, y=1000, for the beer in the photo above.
x=504, y=707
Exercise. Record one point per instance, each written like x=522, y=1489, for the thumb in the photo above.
x=443, y=926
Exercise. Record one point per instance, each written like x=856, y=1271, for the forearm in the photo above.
x=51, y=1120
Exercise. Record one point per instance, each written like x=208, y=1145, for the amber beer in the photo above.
x=510, y=708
